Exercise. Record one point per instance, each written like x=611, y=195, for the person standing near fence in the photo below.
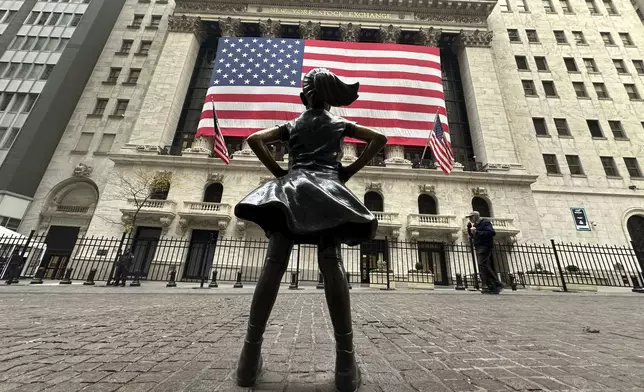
x=123, y=267
x=482, y=235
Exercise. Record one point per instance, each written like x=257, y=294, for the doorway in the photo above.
x=370, y=254
x=144, y=248
x=635, y=226
x=60, y=241
x=432, y=256
x=200, y=254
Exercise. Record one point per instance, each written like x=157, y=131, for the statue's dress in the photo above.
x=310, y=201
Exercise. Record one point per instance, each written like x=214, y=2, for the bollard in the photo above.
x=238, y=284
x=40, y=274
x=349, y=280
x=213, y=282
x=172, y=281
x=90, y=278
x=320, y=281
x=637, y=288
x=294, y=282
x=135, y=282
x=513, y=282
x=67, y=279
x=459, y=282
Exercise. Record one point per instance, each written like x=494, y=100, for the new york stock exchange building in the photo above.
x=545, y=113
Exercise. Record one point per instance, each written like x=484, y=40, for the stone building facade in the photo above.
x=544, y=101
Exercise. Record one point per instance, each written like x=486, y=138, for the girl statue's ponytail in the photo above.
x=321, y=86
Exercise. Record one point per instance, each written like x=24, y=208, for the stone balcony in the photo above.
x=156, y=211
x=205, y=214
x=64, y=210
x=388, y=223
x=425, y=224
x=504, y=227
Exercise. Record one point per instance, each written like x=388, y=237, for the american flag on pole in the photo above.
x=439, y=141
x=256, y=84
x=219, y=147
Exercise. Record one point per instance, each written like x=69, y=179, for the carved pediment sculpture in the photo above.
x=83, y=170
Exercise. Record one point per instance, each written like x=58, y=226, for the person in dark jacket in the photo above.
x=482, y=234
x=123, y=267
x=13, y=267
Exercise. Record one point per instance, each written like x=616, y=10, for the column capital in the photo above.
x=390, y=34
x=476, y=38
x=270, y=28
x=429, y=37
x=350, y=32
x=310, y=30
x=186, y=24
x=231, y=27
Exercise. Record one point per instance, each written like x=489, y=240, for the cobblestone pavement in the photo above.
x=76, y=339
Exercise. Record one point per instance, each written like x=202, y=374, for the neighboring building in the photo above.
x=48, y=49
x=544, y=102
x=639, y=8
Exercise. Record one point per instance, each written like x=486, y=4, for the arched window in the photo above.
x=635, y=226
x=481, y=205
x=373, y=201
x=427, y=205
x=213, y=193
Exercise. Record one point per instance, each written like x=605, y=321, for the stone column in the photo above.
x=390, y=34
x=270, y=28
x=231, y=27
x=161, y=108
x=491, y=135
x=349, y=32
x=310, y=30
x=429, y=37
x=395, y=156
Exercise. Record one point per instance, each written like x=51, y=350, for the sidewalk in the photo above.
x=153, y=338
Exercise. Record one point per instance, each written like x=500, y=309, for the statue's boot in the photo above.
x=250, y=362
x=347, y=372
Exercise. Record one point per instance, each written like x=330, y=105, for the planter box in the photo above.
x=420, y=280
x=378, y=280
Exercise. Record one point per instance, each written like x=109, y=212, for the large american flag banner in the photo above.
x=256, y=84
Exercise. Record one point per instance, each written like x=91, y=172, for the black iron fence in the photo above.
x=552, y=265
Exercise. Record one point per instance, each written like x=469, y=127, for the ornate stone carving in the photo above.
x=373, y=186
x=451, y=18
x=426, y=188
x=479, y=191
x=413, y=235
x=398, y=161
x=350, y=32
x=165, y=221
x=390, y=34
x=429, y=37
x=186, y=24
x=210, y=6
x=184, y=223
x=310, y=30
x=270, y=28
x=475, y=38
x=231, y=27
x=395, y=233
x=222, y=225
x=241, y=226
x=215, y=177
x=82, y=170
x=127, y=219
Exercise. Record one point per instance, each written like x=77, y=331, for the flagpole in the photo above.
x=427, y=143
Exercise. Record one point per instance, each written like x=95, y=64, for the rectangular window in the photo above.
x=31, y=19
x=571, y=66
x=626, y=39
x=513, y=35
x=17, y=103
x=549, y=88
x=600, y=90
x=64, y=21
x=540, y=126
x=11, y=70
x=565, y=6
x=562, y=127
x=49, y=68
x=145, y=47
x=632, y=92
x=521, y=6
x=137, y=21
x=560, y=37
x=62, y=44
x=133, y=77
x=609, y=166
x=5, y=101
x=591, y=7
x=156, y=20
x=594, y=128
x=40, y=43
x=542, y=64
x=532, y=35
x=3, y=133
x=17, y=42
x=522, y=63
x=23, y=71
x=99, y=108
x=552, y=166
x=619, y=66
x=639, y=66
x=43, y=18
x=580, y=89
x=55, y=17
x=528, y=87
x=29, y=43
x=616, y=128
x=574, y=165
x=76, y=20
x=633, y=167
x=52, y=44
x=591, y=66
x=35, y=72
x=121, y=107
x=579, y=37
x=610, y=7
x=126, y=46
x=31, y=101
x=607, y=38
x=114, y=75
x=9, y=139
x=84, y=141
x=547, y=6
x=106, y=142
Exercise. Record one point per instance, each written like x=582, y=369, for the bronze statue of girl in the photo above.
x=309, y=204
